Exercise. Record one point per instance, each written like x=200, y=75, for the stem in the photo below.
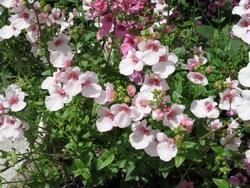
x=184, y=175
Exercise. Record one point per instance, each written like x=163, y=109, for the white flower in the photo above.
x=6, y=32
x=14, y=98
x=151, y=150
x=205, y=108
x=197, y=78
x=216, y=124
x=247, y=154
x=142, y=102
x=229, y=99
x=231, y=142
x=166, y=64
x=244, y=76
x=166, y=148
x=61, y=59
x=106, y=96
x=151, y=51
x=153, y=82
x=242, y=8
x=90, y=88
x=173, y=115
x=242, y=29
x=242, y=108
x=142, y=135
x=194, y=62
x=59, y=43
x=11, y=128
x=123, y=114
x=131, y=63
x=105, y=121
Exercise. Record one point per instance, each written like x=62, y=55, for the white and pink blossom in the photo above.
x=14, y=98
x=166, y=148
x=205, y=108
x=90, y=87
x=197, y=78
x=142, y=135
x=105, y=121
x=123, y=114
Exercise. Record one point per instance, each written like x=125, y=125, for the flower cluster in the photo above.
x=32, y=20
x=150, y=100
x=13, y=101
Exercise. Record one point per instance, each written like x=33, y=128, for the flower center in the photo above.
x=209, y=106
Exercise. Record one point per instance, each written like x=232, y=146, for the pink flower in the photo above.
x=100, y=7
x=131, y=90
x=6, y=32
x=229, y=99
x=55, y=16
x=105, y=121
x=23, y=19
x=166, y=64
x=173, y=115
x=137, y=77
x=11, y=128
x=107, y=96
x=59, y=43
x=197, y=78
x=238, y=179
x=205, y=108
x=90, y=88
x=153, y=82
x=58, y=97
x=106, y=22
x=32, y=34
x=158, y=115
x=123, y=114
x=186, y=123
x=61, y=59
x=128, y=43
x=151, y=51
x=242, y=29
x=131, y=63
x=142, y=103
x=233, y=126
x=242, y=8
x=166, y=148
x=142, y=135
x=14, y=98
x=62, y=87
x=216, y=124
x=194, y=62
x=120, y=30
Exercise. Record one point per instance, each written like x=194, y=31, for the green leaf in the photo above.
x=105, y=159
x=130, y=169
x=178, y=161
x=81, y=170
x=205, y=31
x=221, y=183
